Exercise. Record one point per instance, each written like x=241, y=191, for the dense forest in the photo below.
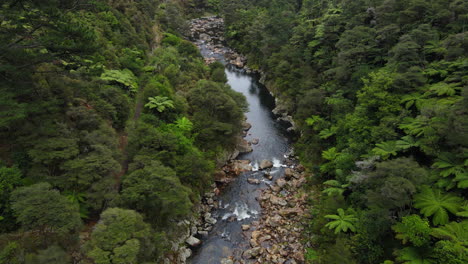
x=111, y=125
x=379, y=91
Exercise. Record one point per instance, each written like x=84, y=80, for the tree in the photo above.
x=51, y=255
x=155, y=191
x=160, y=103
x=39, y=207
x=120, y=236
x=342, y=222
x=413, y=229
x=411, y=255
x=436, y=204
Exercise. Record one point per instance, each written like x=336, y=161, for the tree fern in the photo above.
x=184, y=124
x=411, y=255
x=406, y=142
x=335, y=187
x=341, y=222
x=456, y=232
x=160, y=103
x=385, y=149
x=434, y=203
x=328, y=132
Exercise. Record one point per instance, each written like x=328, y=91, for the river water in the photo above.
x=237, y=203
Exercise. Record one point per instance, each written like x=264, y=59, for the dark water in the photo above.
x=238, y=204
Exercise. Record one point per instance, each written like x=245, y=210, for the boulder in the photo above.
x=268, y=175
x=239, y=166
x=288, y=173
x=265, y=164
x=184, y=254
x=254, y=141
x=246, y=126
x=252, y=253
x=278, y=201
x=281, y=182
x=245, y=227
x=227, y=261
x=193, y=241
x=253, y=181
x=243, y=146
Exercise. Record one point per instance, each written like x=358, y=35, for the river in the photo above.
x=237, y=203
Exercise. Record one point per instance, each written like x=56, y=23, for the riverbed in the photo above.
x=238, y=203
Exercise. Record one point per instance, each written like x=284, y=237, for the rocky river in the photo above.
x=254, y=212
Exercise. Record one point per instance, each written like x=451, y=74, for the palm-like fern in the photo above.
x=184, y=124
x=411, y=255
x=341, y=222
x=415, y=126
x=385, y=149
x=449, y=165
x=415, y=99
x=334, y=187
x=328, y=132
x=160, y=103
x=434, y=203
x=456, y=232
x=406, y=142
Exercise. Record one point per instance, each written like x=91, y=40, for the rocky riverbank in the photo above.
x=275, y=237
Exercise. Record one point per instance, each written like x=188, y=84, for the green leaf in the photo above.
x=385, y=149
x=124, y=77
x=342, y=222
x=434, y=203
x=160, y=103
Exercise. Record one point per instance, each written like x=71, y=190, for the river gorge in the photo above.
x=255, y=211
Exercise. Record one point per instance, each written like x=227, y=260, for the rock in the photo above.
x=243, y=146
x=211, y=221
x=274, y=221
x=246, y=126
x=253, y=181
x=265, y=164
x=184, y=254
x=239, y=166
x=219, y=175
x=203, y=233
x=245, y=227
x=254, y=141
x=288, y=173
x=227, y=261
x=252, y=253
x=268, y=175
x=278, y=201
x=281, y=182
x=193, y=241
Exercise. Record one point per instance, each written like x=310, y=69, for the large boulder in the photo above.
x=243, y=146
x=193, y=241
x=265, y=164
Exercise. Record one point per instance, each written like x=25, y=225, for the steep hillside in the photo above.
x=107, y=138
x=378, y=90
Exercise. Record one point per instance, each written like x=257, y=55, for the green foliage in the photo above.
x=39, y=207
x=413, y=229
x=411, y=255
x=124, y=77
x=437, y=204
x=156, y=191
x=341, y=222
x=160, y=103
x=121, y=236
